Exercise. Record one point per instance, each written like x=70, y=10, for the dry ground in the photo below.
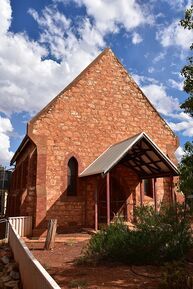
x=61, y=265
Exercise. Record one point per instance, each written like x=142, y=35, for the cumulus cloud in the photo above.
x=5, y=129
x=142, y=80
x=179, y=153
x=182, y=123
x=159, y=57
x=136, y=38
x=30, y=78
x=178, y=4
x=176, y=84
x=174, y=34
x=108, y=15
x=164, y=103
x=5, y=16
x=169, y=107
x=185, y=126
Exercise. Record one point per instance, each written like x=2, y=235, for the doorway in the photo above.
x=117, y=200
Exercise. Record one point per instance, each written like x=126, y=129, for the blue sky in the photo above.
x=45, y=44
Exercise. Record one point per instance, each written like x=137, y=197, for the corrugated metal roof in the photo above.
x=138, y=152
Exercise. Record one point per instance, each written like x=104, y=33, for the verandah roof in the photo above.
x=139, y=153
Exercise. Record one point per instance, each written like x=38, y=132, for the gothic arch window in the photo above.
x=72, y=177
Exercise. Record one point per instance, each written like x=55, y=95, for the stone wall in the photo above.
x=22, y=195
x=101, y=107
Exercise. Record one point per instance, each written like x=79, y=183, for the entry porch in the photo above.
x=132, y=172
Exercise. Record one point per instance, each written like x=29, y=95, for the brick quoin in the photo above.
x=102, y=106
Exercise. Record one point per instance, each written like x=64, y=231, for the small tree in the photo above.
x=186, y=170
x=187, y=71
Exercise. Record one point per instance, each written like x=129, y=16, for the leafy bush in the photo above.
x=176, y=276
x=158, y=237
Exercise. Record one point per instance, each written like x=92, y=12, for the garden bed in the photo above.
x=62, y=266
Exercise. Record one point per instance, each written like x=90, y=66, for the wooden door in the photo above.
x=117, y=200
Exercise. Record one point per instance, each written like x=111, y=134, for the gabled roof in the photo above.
x=139, y=153
x=22, y=145
x=69, y=86
x=72, y=84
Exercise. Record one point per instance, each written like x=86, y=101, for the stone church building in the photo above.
x=94, y=152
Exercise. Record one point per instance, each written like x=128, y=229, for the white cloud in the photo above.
x=136, y=38
x=159, y=57
x=142, y=80
x=184, y=116
x=174, y=34
x=179, y=153
x=178, y=4
x=5, y=129
x=151, y=69
x=175, y=84
x=164, y=103
x=28, y=80
x=109, y=14
x=185, y=126
x=183, y=123
x=5, y=16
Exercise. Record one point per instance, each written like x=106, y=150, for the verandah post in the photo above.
x=108, y=199
x=141, y=194
x=155, y=193
x=96, y=205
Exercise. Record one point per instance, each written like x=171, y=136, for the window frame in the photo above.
x=148, y=188
x=72, y=177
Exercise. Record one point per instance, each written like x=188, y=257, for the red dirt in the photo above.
x=61, y=265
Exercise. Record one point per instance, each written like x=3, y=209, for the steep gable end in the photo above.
x=69, y=86
x=104, y=61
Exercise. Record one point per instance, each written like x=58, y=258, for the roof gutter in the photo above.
x=20, y=148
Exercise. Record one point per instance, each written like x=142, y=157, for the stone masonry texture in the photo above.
x=102, y=106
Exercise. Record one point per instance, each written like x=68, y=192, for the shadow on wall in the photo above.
x=22, y=197
x=75, y=212
x=168, y=187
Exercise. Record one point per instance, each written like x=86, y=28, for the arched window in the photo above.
x=72, y=177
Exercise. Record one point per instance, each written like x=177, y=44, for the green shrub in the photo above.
x=158, y=237
x=176, y=276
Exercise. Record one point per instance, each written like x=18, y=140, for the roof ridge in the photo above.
x=137, y=134
x=111, y=157
x=74, y=81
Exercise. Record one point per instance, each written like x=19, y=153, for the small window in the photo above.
x=148, y=187
x=72, y=177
